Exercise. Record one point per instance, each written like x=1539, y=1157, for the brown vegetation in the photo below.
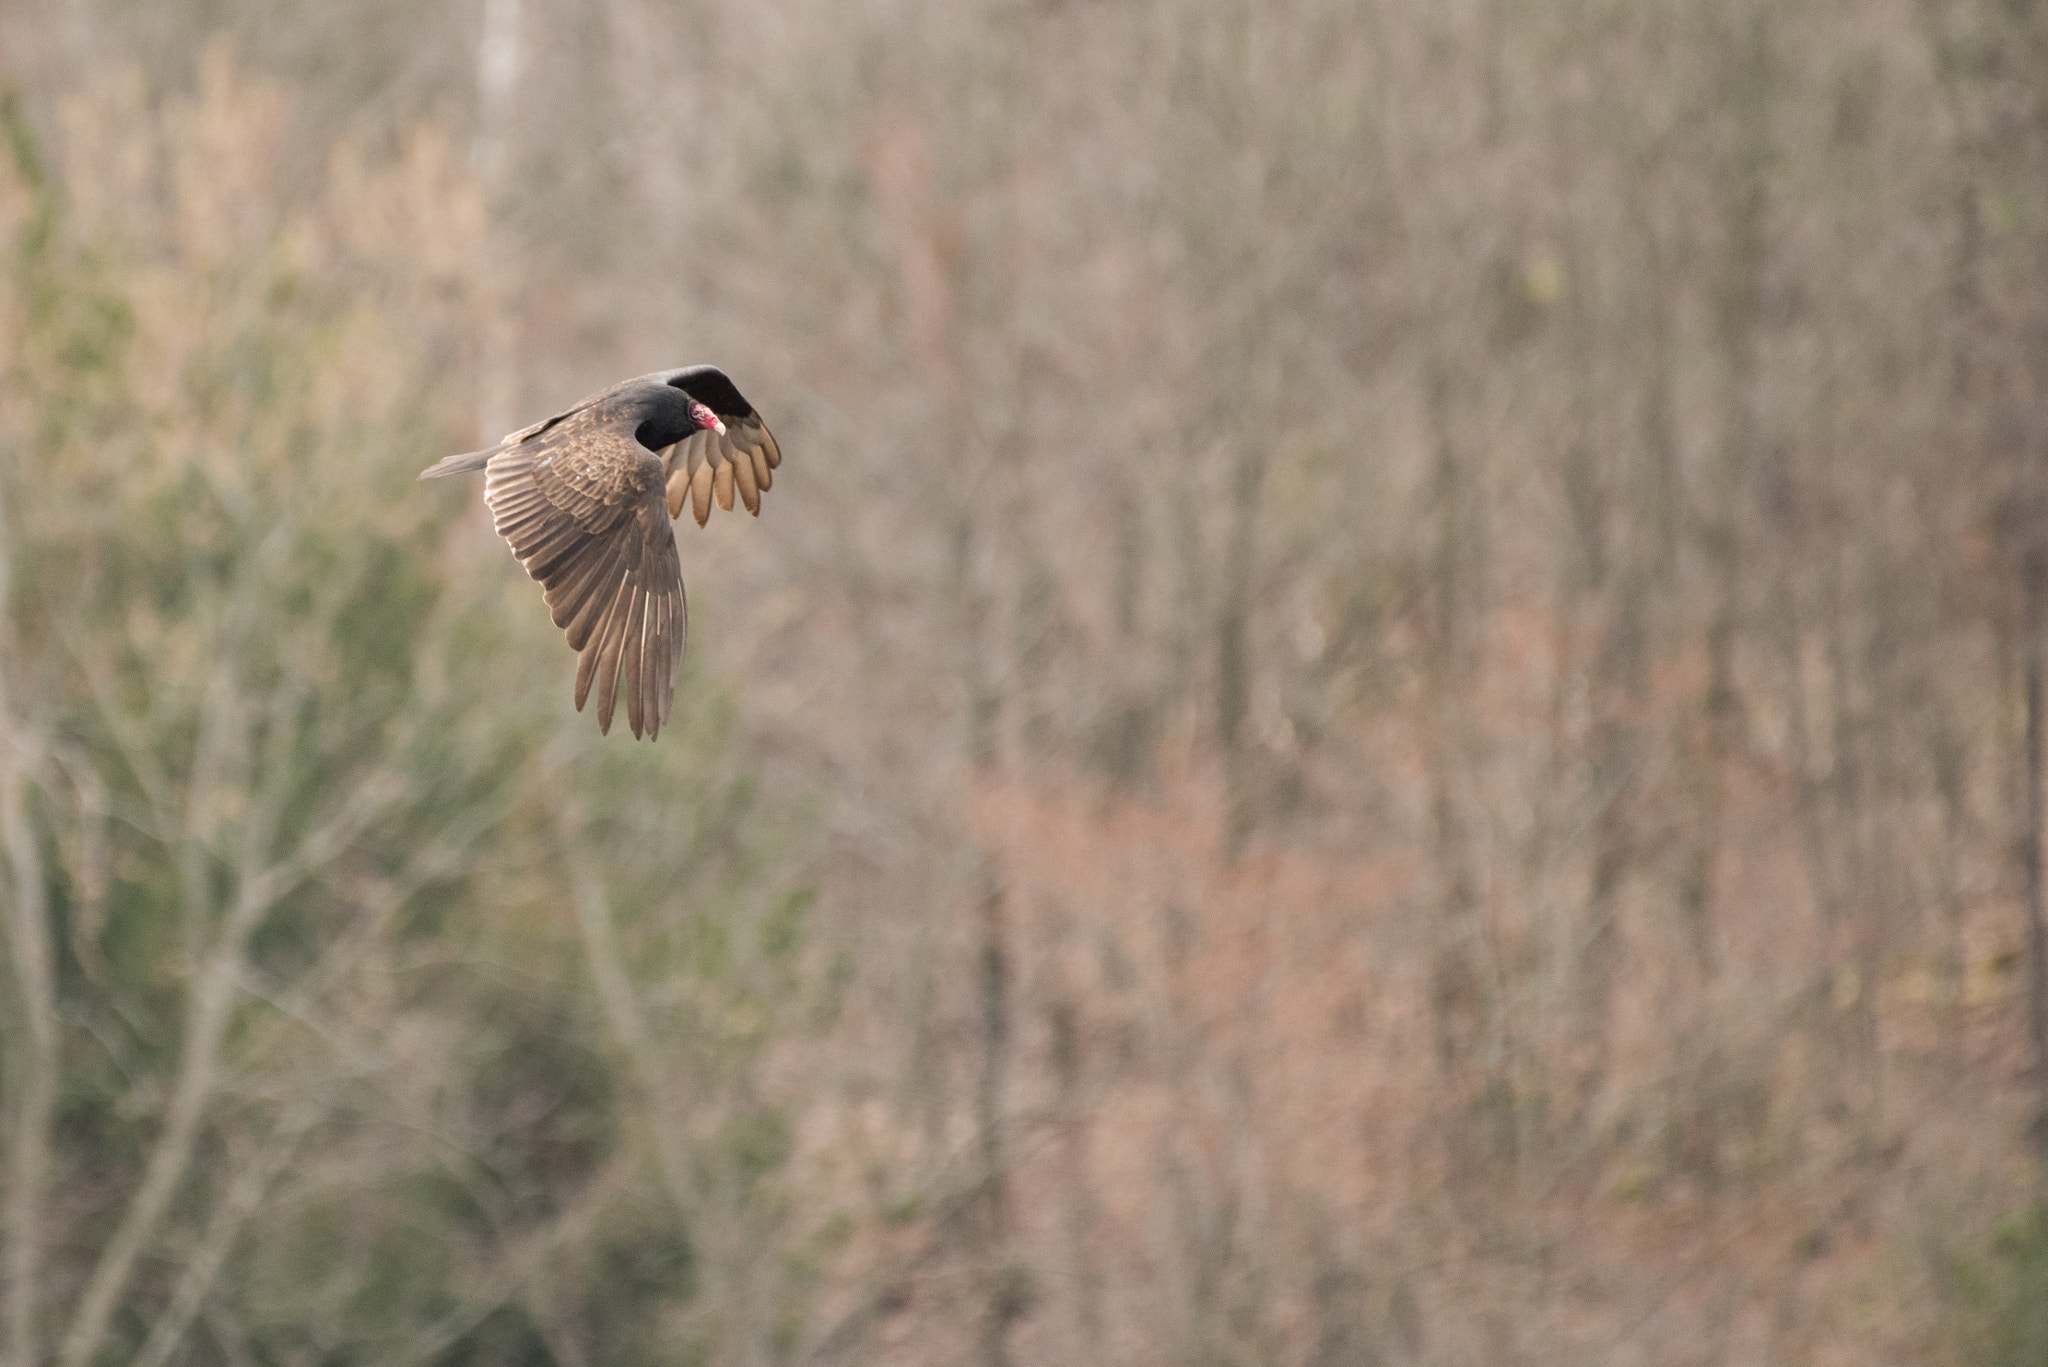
x=1389, y=712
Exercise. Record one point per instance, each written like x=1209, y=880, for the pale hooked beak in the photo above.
x=718, y=425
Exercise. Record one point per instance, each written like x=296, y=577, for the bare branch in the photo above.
x=203, y=1264
x=622, y=1011
x=211, y=999
x=518, y=1265
x=34, y=1066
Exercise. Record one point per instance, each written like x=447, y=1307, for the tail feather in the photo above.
x=462, y=464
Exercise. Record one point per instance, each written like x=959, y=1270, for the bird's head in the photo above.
x=668, y=415
x=704, y=417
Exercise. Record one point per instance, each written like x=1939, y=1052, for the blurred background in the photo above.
x=1387, y=712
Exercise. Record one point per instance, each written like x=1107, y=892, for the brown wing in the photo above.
x=706, y=464
x=581, y=504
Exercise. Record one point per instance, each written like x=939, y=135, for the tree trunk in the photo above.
x=2035, y=589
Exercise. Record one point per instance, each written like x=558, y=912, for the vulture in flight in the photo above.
x=585, y=499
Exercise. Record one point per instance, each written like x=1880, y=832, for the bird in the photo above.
x=585, y=499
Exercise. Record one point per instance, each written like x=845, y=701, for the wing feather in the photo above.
x=609, y=642
x=592, y=655
x=589, y=597
x=659, y=623
x=665, y=639
x=743, y=475
x=631, y=660
x=700, y=492
x=553, y=550
x=721, y=481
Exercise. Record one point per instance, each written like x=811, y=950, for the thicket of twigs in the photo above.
x=1387, y=710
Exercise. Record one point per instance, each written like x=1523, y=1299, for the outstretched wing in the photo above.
x=708, y=464
x=581, y=503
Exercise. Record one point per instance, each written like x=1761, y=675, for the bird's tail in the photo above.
x=462, y=464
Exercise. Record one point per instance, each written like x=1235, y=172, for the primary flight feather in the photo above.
x=585, y=498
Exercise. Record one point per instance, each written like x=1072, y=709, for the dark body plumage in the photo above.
x=585, y=499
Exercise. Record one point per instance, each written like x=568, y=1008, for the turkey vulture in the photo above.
x=585, y=500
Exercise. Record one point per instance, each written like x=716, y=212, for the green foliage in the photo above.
x=2001, y=1293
